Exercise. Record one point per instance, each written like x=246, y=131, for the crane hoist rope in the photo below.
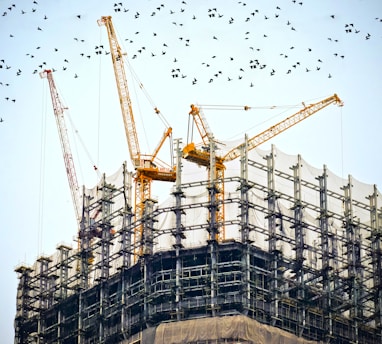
x=147, y=95
x=76, y=132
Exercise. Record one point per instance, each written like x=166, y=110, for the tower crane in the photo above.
x=202, y=156
x=59, y=109
x=147, y=167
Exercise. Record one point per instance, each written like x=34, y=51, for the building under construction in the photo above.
x=258, y=247
x=300, y=260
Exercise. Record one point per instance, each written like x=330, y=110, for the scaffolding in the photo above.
x=302, y=255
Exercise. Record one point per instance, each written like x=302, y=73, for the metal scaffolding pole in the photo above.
x=299, y=229
x=23, y=306
x=44, y=299
x=376, y=255
x=63, y=286
x=146, y=257
x=85, y=234
x=354, y=266
x=244, y=224
x=126, y=248
x=178, y=233
x=102, y=229
x=126, y=230
x=213, y=230
x=272, y=239
x=85, y=259
x=63, y=271
x=326, y=267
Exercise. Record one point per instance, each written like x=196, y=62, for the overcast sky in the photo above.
x=258, y=53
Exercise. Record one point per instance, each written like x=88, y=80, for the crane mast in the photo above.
x=59, y=110
x=123, y=91
x=202, y=157
x=147, y=167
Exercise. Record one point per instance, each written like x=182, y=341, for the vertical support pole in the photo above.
x=43, y=296
x=23, y=306
x=146, y=257
x=85, y=242
x=126, y=250
x=244, y=187
x=244, y=224
x=127, y=230
x=326, y=268
x=376, y=256
x=103, y=230
x=213, y=230
x=299, y=245
x=63, y=271
x=353, y=247
x=179, y=235
x=85, y=257
x=101, y=316
x=63, y=286
x=272, y=239
x=80, y=331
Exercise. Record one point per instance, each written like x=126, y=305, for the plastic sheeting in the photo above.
x=218, y=329
x=195, y=214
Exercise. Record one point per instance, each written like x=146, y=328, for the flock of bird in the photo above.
x=229, y=29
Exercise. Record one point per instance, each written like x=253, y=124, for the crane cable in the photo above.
x=342, y=144
x=99, y=100
x=146, y=94
x=42, y=171
x=150, y=100
x=138, y=106
x=137, y=80
x=261, y=123
x=264, y=107
x=76, y=133
x=247, y=107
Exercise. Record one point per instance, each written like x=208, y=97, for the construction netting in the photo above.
x=269, y=172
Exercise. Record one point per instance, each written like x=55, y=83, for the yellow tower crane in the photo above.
x=147, y=167
x=202, y=156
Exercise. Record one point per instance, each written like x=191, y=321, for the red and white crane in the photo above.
x=59, y=110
